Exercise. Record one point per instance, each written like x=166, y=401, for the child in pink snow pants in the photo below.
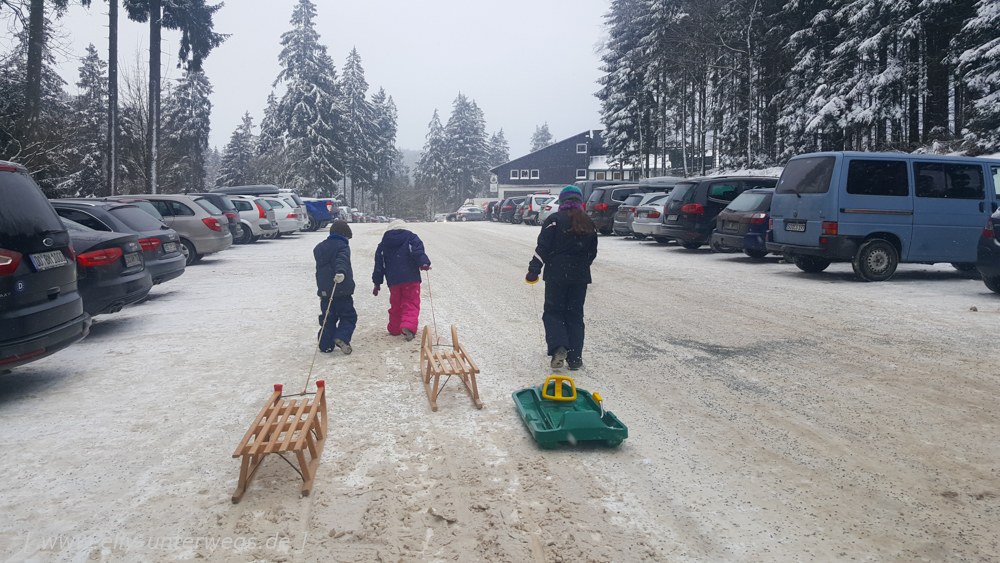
x=399, y=259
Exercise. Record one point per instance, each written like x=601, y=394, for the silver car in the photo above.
x=203, y=228
x=286, y=216
x=254, y=219
x=625, y=216
x=648, y=219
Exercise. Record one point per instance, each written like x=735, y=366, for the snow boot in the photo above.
x=574, y=363
x=407, y=334
x=558, y=357
x=344, y=347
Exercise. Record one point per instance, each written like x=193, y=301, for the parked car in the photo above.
x=549, y=208
x=492, y=211
x=534, y=205
x=587, y=187
x=603, y=203
x=517, y=217
x=988, y=253
x=197, y=221
x=223, y=202
x=508, y=208
x=253, y=218
x=440, y=217
x=161, y=249
x=320, y=213
x=648, y=220
x=469, y=214
x=293, y=201
x=41, y=310
x=877, y=210
x=742, y=225
x=110, y=270
x=693, y=206
x=284, y=214
x=626, y=211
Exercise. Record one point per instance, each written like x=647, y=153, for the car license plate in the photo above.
x=132, y=259
x=671, y=217
x=797, y=227
x=170, y=247
x=732, y=226
x=48, y=260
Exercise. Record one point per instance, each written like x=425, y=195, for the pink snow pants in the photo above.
x=404, y=307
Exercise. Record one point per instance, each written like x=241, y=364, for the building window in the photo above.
x=534, y=174
x=600, y=175
x=513, y=174
x=581, y=173
x=581, y=148
x=628, y=174
x=617, y=175
x=524, y=174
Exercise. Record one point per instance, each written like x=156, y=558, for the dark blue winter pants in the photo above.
x=563, y=317
x=341, y=322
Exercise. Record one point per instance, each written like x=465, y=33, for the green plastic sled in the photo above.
x=555, y=412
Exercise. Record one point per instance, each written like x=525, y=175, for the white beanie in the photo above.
x=397, y=224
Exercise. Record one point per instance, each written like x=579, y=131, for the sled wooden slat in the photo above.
x=282, y=426
x=453, y=362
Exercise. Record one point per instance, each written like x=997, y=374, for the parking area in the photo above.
x=773, y=415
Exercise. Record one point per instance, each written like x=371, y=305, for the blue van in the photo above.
x=879, y=209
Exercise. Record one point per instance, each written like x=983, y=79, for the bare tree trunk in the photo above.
x=153, y=126
x=684, y=153
x=36, y=44
x=112, y=162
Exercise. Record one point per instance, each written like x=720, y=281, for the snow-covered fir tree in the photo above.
x=236, y=157
x=186, y=127
x=541, y=138
x=499, y=149
x=87, y=152
x=385, y=156
x=465, y=142
x=310, y=110
x=432, y=168
x=358, y=121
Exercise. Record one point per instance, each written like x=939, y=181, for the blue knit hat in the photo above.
x=570, y=192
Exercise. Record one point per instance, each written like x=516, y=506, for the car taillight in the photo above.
x=758, y=218
x=653, y=215
x=829, y=228
x=263, y=214
x=508, y=207
x=212, y=223
x=631, y=210
x=292, y=215
x=9, y=261
x=548, y=208
x=230, y=215
x=987, y=230
x=601, y=207
x=99, y=257
x=329, y=206
x=150, y=243
x=693, y=209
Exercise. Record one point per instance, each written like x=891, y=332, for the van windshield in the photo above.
x=807, y=176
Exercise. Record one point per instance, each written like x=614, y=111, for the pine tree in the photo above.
x=271, y=136
x=465, y=142
x=541, y=138
x=86, y=155
x=186, y=127
x=980, y=63
x=385, y=155
x=310, y=110
x=237, y=156
x=432, y=169
x=499, y=150
x=359, y=126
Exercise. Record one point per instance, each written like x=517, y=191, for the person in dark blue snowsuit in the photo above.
x=333, y=264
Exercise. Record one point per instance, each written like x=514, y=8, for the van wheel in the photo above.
x=755, y=254
x=964, y=266
x=691, y=245
x=992, y=283
x=876, y=260
x=811, y=264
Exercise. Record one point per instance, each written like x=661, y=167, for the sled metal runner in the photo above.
x=557, y=412
x=285, y=426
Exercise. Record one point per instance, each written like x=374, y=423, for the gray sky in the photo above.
x=524, y=62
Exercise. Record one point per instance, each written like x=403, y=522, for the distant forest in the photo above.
x=755, y=82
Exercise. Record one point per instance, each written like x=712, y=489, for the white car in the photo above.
x=534, y=206
x=254, y=219
x=292, y=200
x=286, y=216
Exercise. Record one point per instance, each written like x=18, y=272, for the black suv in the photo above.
x=41, y=311
x=603, y=203
x=691, y=211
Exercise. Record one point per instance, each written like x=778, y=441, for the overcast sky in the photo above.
x=524, y=62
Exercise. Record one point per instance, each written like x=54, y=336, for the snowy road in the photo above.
x=773, y=416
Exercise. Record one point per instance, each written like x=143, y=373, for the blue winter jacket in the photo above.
x=398, y=258
x=333, y=256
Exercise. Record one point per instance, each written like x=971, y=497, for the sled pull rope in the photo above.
x=430, y=297
x=320, y=339
x=538, y=320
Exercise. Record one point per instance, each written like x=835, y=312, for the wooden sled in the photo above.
x=446, y=362
x=285, y=426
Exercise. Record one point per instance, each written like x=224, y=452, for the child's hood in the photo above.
x=395, y=237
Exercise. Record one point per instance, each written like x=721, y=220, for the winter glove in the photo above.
x=339, y=278
x=532, y=277
x=425, y=267
x=375, y=291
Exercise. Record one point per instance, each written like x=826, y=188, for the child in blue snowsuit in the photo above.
x=333, y=264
